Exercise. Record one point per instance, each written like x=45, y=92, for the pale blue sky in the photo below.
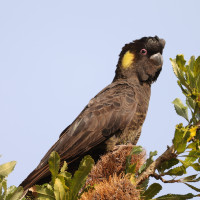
x=56, y=55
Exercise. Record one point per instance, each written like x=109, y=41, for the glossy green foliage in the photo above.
x=11, y=193
x=153, y=190
x=189, y=81
x=63, y=185
x=186, y=138
x=130, y=168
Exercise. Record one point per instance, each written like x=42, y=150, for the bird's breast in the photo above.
x=131, y=133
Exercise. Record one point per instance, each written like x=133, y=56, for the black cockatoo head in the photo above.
x=141, y=59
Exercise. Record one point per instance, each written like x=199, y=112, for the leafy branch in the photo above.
x=63, y=185
x=11, y=193
x=185, y=151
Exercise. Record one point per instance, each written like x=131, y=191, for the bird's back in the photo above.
x=113, y=116
x=106, y=115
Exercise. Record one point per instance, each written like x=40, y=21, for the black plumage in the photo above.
x=115, y=115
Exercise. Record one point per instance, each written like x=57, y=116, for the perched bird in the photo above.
x=115, y=115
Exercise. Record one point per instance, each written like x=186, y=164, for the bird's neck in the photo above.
x=132, y=80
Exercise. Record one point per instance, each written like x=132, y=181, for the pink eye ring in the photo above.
x=143, y=51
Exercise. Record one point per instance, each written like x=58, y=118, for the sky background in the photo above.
x=56, y=55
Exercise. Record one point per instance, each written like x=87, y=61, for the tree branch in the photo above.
x=167, y=155
x=159, y=177
x=150, y=171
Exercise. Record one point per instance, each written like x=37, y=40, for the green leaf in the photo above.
x=175, y=197
x=179, y=71
x=134, y=151
x=143, y=186
x=174, y=66
x=190, y=103
x=67, y=177
x=80, y=176
x=197, y=67
x=182, y=145
x=7, y=168
x=191, y=157
x=177, y=171
x=142, y=168
x=196, y=166
x=131, y=169
x=64, y=167
x=191, y=79
x=153, y=190
x=197, y=73
x=4, y=185
x=16, y=195
x=198, y=83
x=180, y=138
x=189, y=178
x=86, y=189
x=180, y=108
x=192, y=145
x=184, y=90
x=191, y=63
x=59, y=190
x=54, y=165
x=168, y=164
x=1, y=188
x=196, y=180
x=148, y=161
x=181, y=62
x=194, y=188
x=44, y=192
x=11, y=190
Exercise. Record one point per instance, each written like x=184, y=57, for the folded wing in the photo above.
x=108, y=113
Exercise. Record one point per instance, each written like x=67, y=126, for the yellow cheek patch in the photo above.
x=127, y=59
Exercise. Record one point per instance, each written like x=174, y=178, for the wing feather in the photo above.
x=109, y=111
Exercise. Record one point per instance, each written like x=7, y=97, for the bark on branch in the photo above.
x=159, y=177
x=150, y=171
x=167, y=155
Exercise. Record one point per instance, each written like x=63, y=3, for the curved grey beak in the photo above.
x=157, y=59
x=162, y=42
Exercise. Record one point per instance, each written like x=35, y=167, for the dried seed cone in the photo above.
x=108, y=178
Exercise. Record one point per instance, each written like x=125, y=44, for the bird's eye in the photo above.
x=143, y=51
